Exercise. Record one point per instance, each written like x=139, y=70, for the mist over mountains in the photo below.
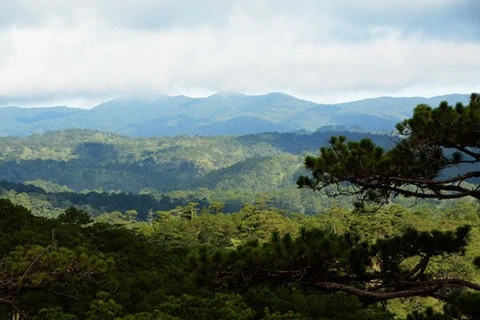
x=219, y=114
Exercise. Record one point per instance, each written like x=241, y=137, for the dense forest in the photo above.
x=96, y=225
x=120, y=268
x=102, y=172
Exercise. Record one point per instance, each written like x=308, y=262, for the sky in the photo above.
x=80, y=53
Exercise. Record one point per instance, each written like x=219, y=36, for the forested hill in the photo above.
x=84, y=167
x=219, y=114
x=83, y=159
x=102, y=172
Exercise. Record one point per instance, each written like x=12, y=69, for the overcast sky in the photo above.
x=82, y=52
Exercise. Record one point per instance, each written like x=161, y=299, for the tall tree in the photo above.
x=437, y=155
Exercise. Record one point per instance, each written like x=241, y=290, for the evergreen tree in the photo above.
x=437, y=157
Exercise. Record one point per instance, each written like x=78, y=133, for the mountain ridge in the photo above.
x=219, y=114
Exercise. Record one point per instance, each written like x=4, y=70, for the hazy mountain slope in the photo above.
x=25, y=121
x=219, y=114
x=223, y=113
x=391, y=106
x=383, y=113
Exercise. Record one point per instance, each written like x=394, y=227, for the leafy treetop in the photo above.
x=435, y=140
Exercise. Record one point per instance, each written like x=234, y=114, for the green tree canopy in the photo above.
x=323, y=261
x=437, y=157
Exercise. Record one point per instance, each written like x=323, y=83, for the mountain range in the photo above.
x=219, y=114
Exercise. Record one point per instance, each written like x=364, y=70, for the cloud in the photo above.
x=131, y=14
x=433, y=17
x=57, y=51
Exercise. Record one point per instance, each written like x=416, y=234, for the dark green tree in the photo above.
x=327, y=262
x=437, y=155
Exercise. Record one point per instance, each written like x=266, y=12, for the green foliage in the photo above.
x=219, y=306
x=155, y=315
x=103, y=308
x=290, y=315
x=428, y=314
x=48, y=186
x=88, y=160
x=53, y=314
x=435, y=139
x=74, y=217
x=402, y=264
x=464, y=305
x=99, y=172
x=145, y=266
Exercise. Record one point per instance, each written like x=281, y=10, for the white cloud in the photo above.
x=94, y=51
